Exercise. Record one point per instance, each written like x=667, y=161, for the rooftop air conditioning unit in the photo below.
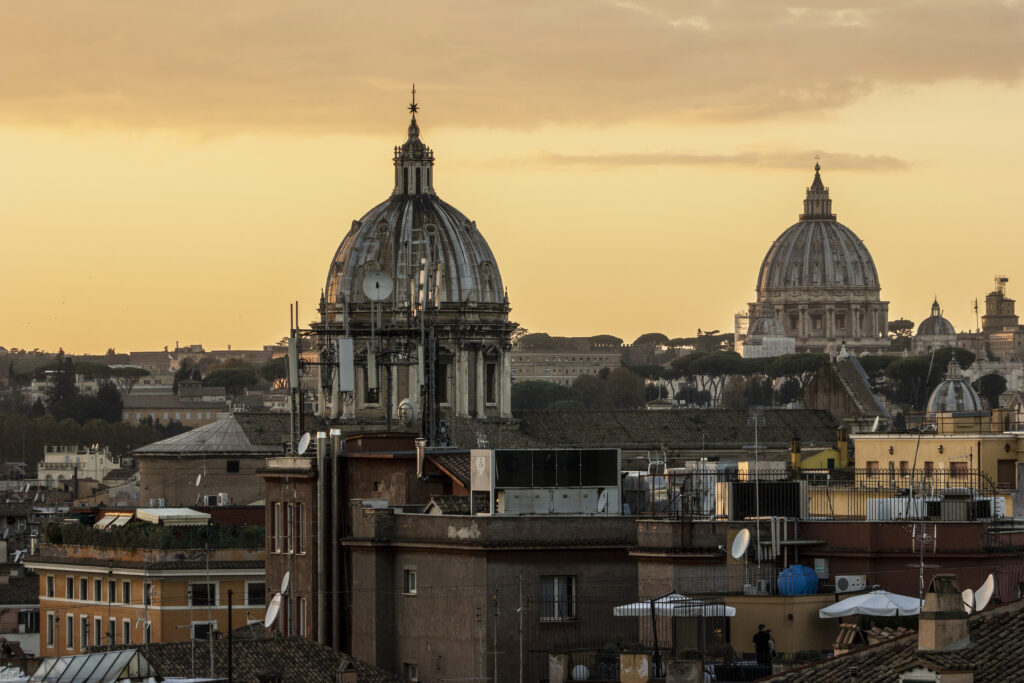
x=210, y=500
x=222, y=499
x=850, y=583
x=161, y=503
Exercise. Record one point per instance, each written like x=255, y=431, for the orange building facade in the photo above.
x=92, y=596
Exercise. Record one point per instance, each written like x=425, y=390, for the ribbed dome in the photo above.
x=955, y=394
x=935, y=325
x=818, y=252
x=766, y=327
x=414, y=225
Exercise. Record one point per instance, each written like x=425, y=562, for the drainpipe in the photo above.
x=421, y=454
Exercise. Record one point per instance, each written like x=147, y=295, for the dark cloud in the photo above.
x=854, y=162
x=329, y=65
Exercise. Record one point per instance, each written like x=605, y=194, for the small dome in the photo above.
x=935, y=325
x=955, y=394
x=766, y=326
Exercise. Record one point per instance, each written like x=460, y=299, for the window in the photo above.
x=409, y=581
x=904, y=467
x=794, y=322
x=69, y=631
x=275, y=522
x=300, y=521
x=111, y=631
x=255, y=593
x=289, y=528
x=111, y=591
x=302, y=616
x=232, y=467
x=841, y=321
x=126, y=592
x=97, y=590
x=98, y=630
x=201, y=629
x=84, y=629
x=491, y=386
x=126, y=631
x=816, y=320
x=958, y=469
x=28, y=621
x=49, y=627
x=147, y=593
x=69, y=588
x=929, y=467
x=83, y=589
x=378, y=487
x=411, y=671
x=441, y=387
x=50, y=590
x=203, y=594
x=557, y=598
x=872, y=466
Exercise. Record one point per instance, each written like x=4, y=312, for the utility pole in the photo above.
x=497, y=613
x=756, y=419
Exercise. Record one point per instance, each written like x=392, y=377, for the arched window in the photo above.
x=405, y=181
x=418, y=188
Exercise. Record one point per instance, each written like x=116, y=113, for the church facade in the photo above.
x=819, y=282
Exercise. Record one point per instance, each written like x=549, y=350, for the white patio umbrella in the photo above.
x=877, y=603
x=675, y=605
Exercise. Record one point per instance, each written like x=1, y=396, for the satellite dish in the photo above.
x=7, y=532
x=983, y=595
x=968, y=598
x=602, y=501
x=740, y=544
x=304, y=443
x=199, y=479
x=284, y=582
x=378, y=285
x=272, y=611
x=408, y=412
x=36, y=499
x=580, y=672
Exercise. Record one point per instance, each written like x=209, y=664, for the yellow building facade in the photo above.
x=92, y=596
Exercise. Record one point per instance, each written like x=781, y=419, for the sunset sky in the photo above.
x=179, y=171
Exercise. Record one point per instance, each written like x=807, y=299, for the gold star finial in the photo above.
x=413, y=107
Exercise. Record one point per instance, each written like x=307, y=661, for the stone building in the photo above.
x=417, y=289
x=561, y=367
x=820, y=282
x=934, y=332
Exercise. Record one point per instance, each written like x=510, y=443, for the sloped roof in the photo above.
x=296, y=659
x=455, y=465
x=20, y=590
x=855, y=380
x=96, y=667
x=995, y=654
x=225, y=436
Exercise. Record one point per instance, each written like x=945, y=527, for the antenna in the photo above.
x=303, y=443
x=968, y=597
x=983, y=595
x=272, y=611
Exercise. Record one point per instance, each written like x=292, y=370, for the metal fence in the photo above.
x=705, y=493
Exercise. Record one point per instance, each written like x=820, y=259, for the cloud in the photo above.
x=324, y=65
x=837, y=160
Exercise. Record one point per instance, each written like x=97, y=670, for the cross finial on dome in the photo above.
x=817, y=164
x=413, y=107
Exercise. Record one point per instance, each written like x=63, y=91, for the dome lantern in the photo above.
x=414, y=161
x=817, y=204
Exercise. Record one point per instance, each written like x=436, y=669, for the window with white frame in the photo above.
x=111, y=591
x=83, y=589
x=126, y=631
x=97, y=590
x=300, y=526
x=51, y=582
x=275, y=523
x=557, y=598
x=147, y=593
x=49, y=627
x=112, y=631
x=203, y=594
x=409, y=581
x=255, y=593
x=69, y=588
x=69, y=631
x=126, y=592
x=97, y=624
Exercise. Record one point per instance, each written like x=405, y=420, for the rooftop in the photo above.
x=225, y=436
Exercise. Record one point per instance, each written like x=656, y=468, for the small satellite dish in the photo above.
x=740, y=544
x=983, y=595
x=968, y=598
x=7, y=532
x=378, y=285
x=408, y=412
x=36, y=499
x=303, y=443
x=272, y=611
x=602, y=501
x=199, y=479
x=580, y=672
x=284, y=582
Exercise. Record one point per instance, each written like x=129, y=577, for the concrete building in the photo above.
x=90, y=595
x=166, y=408
x=227, y=454
x=561, y=367
x=819, y=281
x=62, y=464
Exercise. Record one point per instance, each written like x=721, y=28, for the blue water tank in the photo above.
x=798, y=580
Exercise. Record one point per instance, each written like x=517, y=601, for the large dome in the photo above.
x=954, y=394
x=818, y=252
x=411, y=228
x=935, y=325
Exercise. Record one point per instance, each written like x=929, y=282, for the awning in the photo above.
x=675, y=605
x=877, y=603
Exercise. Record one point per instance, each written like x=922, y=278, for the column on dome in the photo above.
x=505, y=384
x=461, y=382
x=481, y=382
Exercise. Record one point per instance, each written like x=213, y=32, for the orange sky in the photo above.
x=182, y=170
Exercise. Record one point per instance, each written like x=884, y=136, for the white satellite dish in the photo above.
x=304, y=443
x=6, y=532
x=983, y=595
x=740, y=544
x=272, y=611
x=284, y=581
x=36, y=499
x=580, y=672
x=968, y=598
x=602, y=501
x=199, y=479
x=378, y=285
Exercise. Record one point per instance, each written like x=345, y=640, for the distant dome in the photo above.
x=766, y=327
x=955, y=394
x=935, y=325
x=411, y=226
x=817, y=253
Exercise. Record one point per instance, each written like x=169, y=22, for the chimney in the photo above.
x=943, y=622
x=421, y=453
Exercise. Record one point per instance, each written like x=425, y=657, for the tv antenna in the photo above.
x=919, y=541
